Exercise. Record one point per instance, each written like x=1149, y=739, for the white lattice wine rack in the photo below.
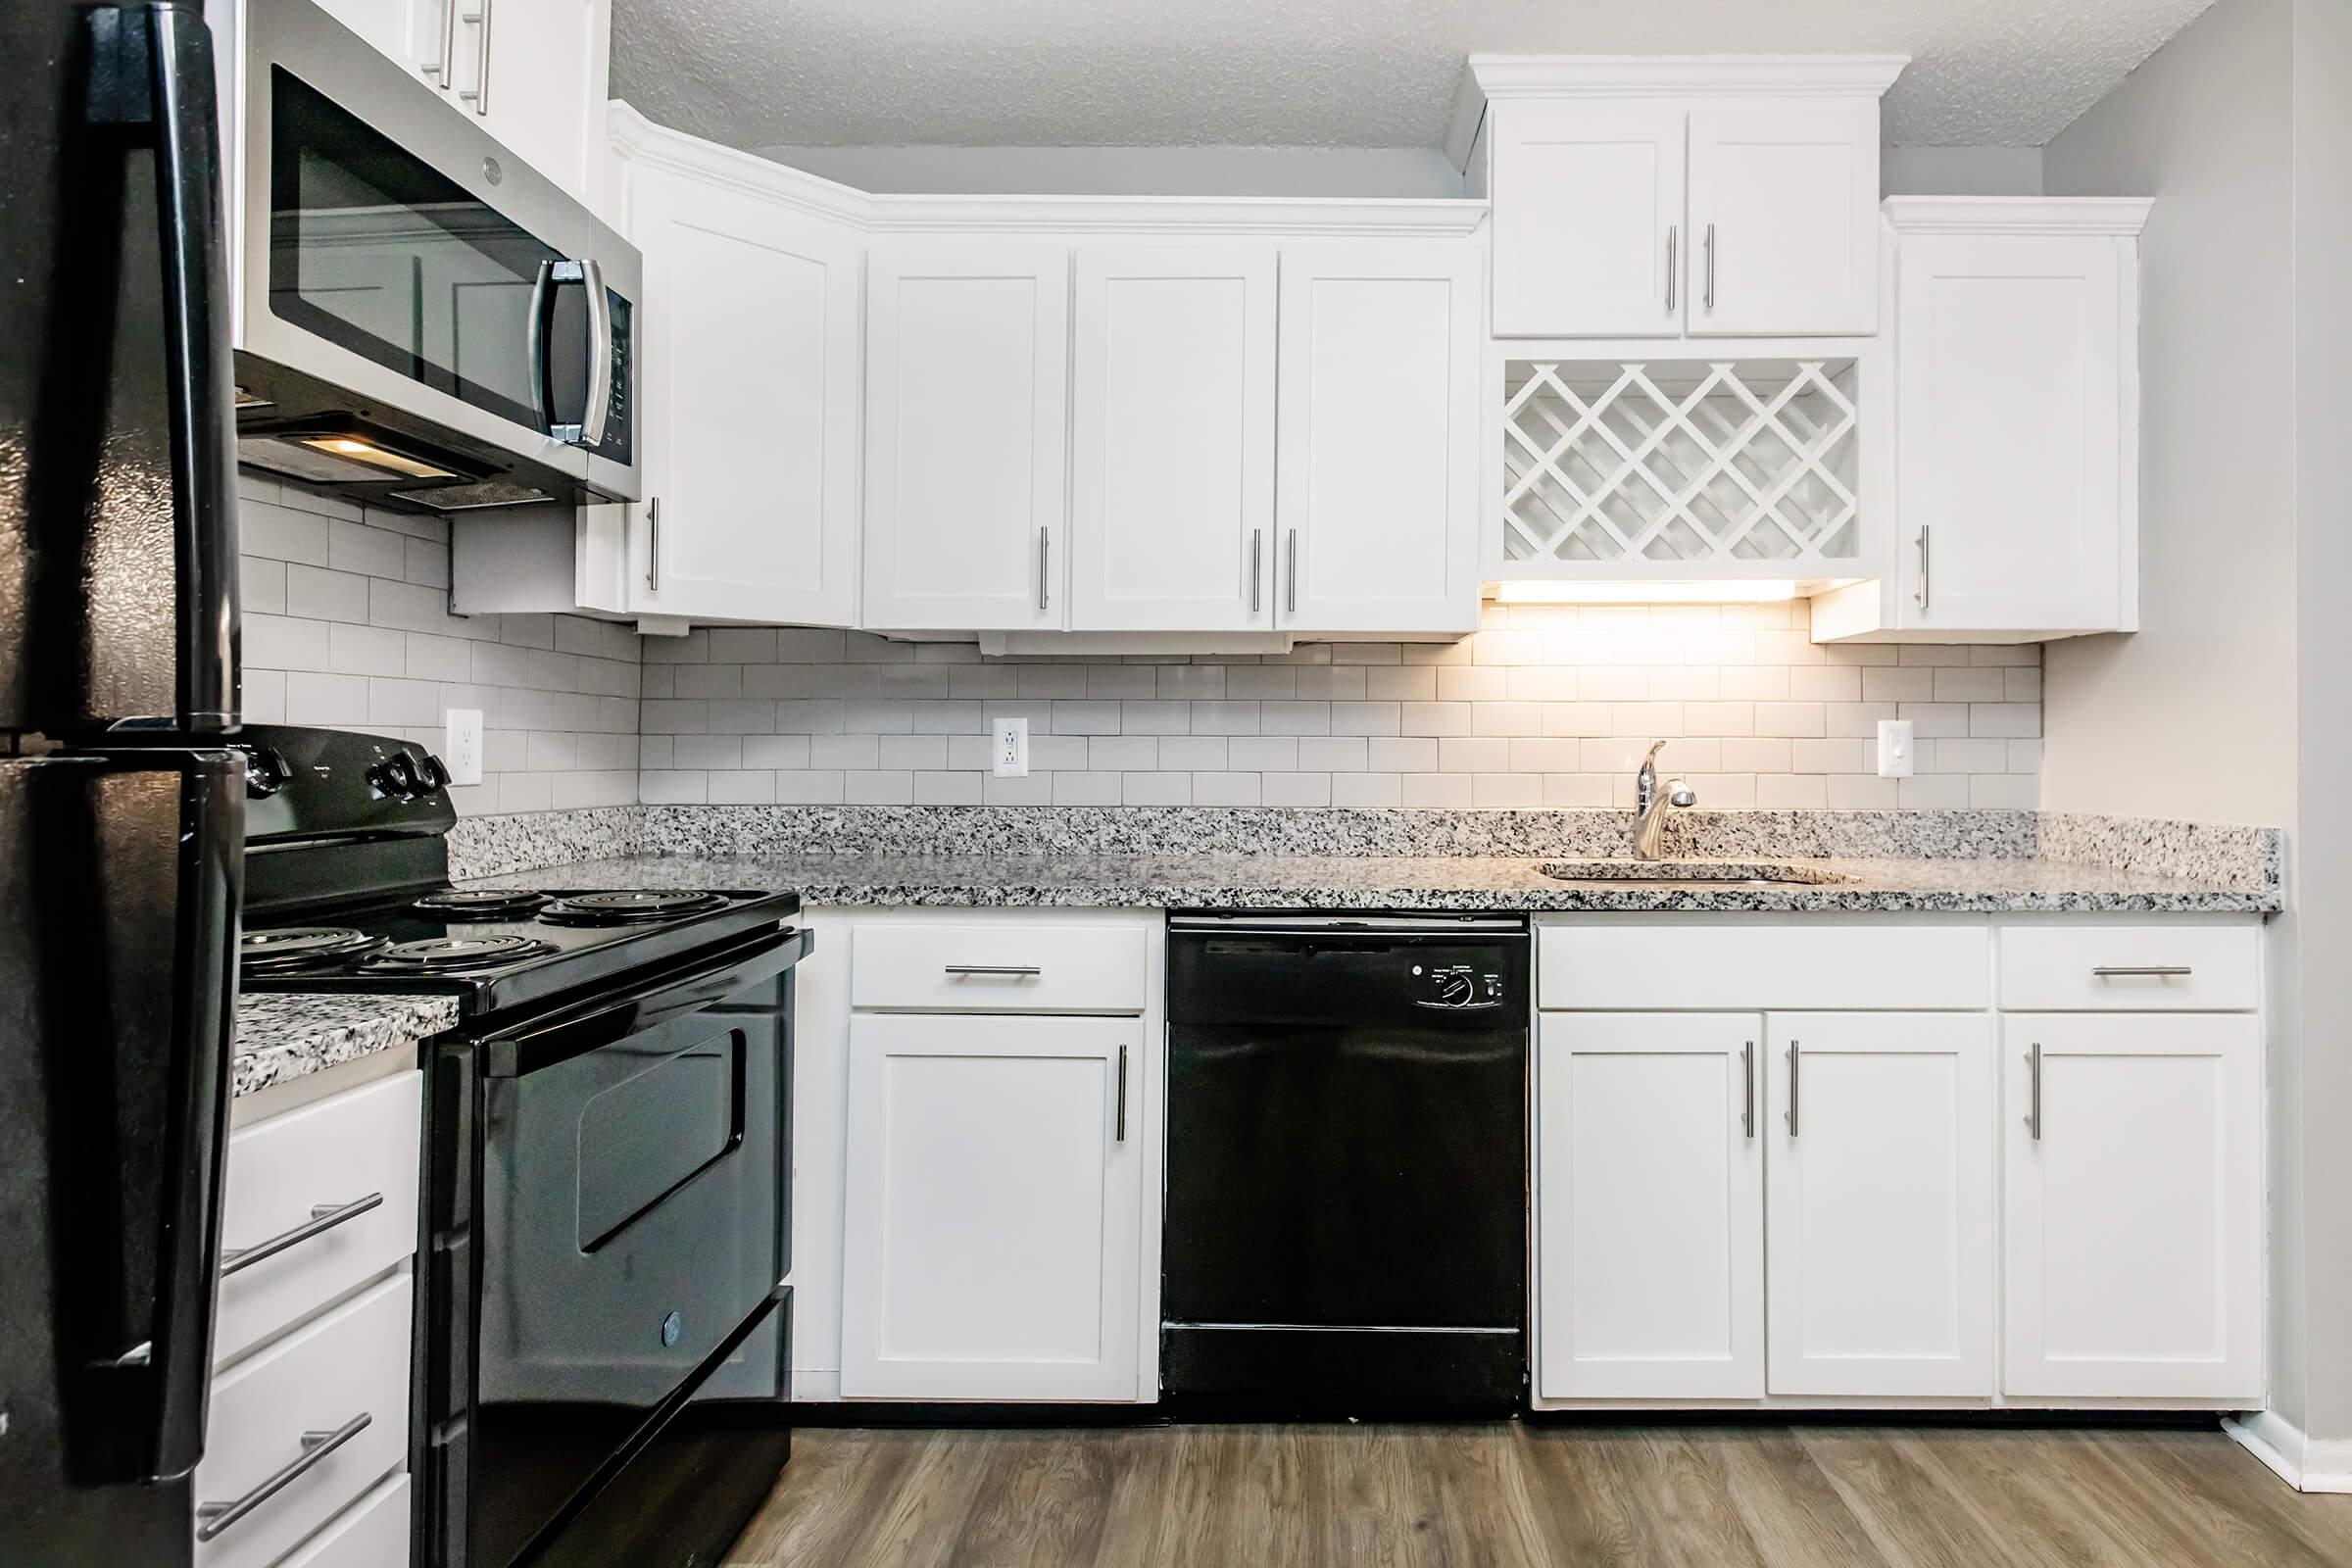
x=1728, y=467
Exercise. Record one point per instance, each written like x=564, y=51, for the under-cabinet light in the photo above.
x=353, y=450
x=1731, y=592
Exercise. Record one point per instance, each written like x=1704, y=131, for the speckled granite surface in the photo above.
x=284, y=1035
x=1106, y=856
x=484, y=846
x=1370, y=882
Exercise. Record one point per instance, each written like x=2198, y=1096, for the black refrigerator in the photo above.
x=121, y=812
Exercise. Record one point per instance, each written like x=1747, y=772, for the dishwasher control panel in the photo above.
x=1455, y=987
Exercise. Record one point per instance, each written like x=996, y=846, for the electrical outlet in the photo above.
x=462, y=745
x=1011, y=748
x=1894, y=749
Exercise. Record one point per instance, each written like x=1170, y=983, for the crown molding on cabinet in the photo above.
x=1487, y=77
x=2123, y=216
x=637, y=139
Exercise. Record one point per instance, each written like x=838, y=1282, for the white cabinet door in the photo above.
x=534, y=72
x=967, y=358
x=1650, y=1207
x=2133, y=1175
x=993, y=1225
x=749, y=414
x=1879, y=1220
x=2011, y=390
x=1378, y=439
x=1589, y=236
x=407, y=31
x=1785, y=218
x=1172, y=457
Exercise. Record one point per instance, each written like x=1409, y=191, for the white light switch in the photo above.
x=1011, y=748
x=1895, y=748
x=462, y=744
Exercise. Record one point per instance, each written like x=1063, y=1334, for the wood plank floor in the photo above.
x=1512, y=1494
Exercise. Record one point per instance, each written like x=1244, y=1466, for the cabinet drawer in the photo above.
x=1008, y=967
x=350, y=1363
x=292, y=1170
x=2100, y=968
x=372, y=1533
x=1661, y=962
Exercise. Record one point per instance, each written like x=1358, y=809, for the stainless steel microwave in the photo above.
x=425, y=321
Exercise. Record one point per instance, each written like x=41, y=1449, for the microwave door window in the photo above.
x=376, y=251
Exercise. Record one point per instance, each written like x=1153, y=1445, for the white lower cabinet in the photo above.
x=1650, y=1239
x=995, y=1207
x=1879, y=1206
x=1831, y=1199
x=2133, y=1228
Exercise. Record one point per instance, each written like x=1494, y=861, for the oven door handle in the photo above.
x=627, y=1010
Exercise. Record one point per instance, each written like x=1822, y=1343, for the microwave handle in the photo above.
x=534, y=340
x=600, y=356
x=538, y=341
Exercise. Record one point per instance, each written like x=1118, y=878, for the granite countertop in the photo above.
x=1368, y=882
x=284, y=1035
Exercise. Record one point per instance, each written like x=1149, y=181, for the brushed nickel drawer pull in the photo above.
x=324, y=1217
x=2151, y=971
x=213, y=1518
x=1017, y=972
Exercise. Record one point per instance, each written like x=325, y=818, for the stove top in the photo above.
x=500, y=948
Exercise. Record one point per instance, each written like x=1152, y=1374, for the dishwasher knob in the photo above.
x=1453, y=988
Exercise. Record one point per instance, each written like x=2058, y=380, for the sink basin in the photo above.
x=1689, y=873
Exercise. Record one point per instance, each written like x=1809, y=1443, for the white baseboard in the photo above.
x=2307, y=1465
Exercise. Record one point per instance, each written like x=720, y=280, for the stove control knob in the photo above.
x=266, y=771
x=431, y=774
x=395, y=776
x=1452, y=987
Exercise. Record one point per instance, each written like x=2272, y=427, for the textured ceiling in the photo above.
x=1338, y=73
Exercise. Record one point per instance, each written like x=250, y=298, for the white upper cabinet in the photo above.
x=748, y=408
x=1172, y=438
x=1698, y=197
x=1785, y=218
x=1377, y=437
x=536, y=73
x=2017, y=424
x=967, y=358
x=1588, y=217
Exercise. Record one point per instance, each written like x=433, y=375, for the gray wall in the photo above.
x=1960, y=171
x=2217, y=709
x=1131, y=170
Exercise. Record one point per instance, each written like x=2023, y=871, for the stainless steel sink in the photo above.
x=1693, y=873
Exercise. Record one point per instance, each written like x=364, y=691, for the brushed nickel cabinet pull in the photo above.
x=2151, y=971
x=1045, y=558
x=213, y=1518
x=1016, y=971
x=1120, y=1135
x=653, y=545
x=1748, y=1100
x=324, y=1217
x=1792, y=1083
x=1671, y=231
x=1710, y=295
x=2034, y=1090
x=1289, y=576
x=1258, y=561
x=1922, y=592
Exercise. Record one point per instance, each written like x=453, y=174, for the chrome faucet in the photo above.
x=1651, y=802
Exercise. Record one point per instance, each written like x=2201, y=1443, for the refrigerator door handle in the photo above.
x=152, y=84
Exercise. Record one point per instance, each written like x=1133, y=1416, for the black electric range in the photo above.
x=602, y=1338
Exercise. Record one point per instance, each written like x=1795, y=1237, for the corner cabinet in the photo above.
x=1682, y=197
x=2015, y=328
x=749, y=414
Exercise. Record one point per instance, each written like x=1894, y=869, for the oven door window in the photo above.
x=376, y=251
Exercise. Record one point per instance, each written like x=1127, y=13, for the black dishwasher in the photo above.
x=1346, y=1165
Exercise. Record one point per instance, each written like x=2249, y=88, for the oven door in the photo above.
x=631, y=1220
x=424, y=320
